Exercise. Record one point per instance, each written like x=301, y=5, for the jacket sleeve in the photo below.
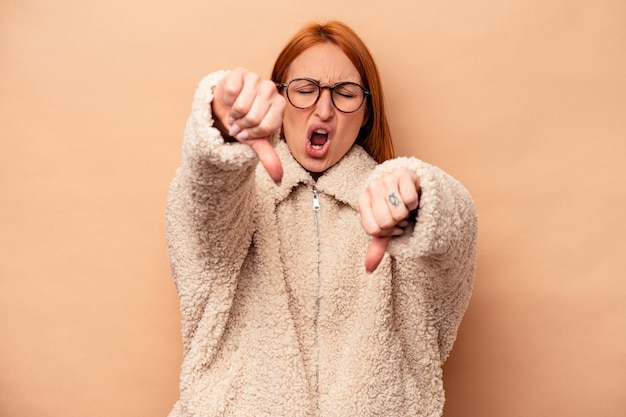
x=438, y=251
x=209, y=222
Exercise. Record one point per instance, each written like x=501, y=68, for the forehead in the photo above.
x=324, y=62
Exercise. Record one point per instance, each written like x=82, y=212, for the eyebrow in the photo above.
x=328, y=84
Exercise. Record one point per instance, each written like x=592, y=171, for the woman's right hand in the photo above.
x=250, y=110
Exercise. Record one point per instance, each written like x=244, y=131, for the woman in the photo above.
x=329, y=279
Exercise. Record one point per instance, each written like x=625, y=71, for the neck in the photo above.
x=316, y=175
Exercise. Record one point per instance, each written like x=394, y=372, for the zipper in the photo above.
x=316, y=208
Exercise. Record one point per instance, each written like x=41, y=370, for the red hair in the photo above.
x=374, y=136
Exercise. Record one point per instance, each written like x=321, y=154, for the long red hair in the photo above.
x=375, y=135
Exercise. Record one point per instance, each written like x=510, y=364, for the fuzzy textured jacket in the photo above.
x=279, y=317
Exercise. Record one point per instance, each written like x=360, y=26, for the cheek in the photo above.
x=293, y=123
x=354, y=124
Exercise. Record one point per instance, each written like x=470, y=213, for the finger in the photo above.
x=408, y=187
x=231, y=86
x=387, y=206
x=368, y=222
x=376, y=216
x=252, y=125
x=268, y=157
x=256, y=102
x=375, y=252
x=266, y=117
x=219, y=109
x=397, y=209
x=246, y=97
x=377, y=191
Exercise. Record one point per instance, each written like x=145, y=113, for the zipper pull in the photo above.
x=316, y=201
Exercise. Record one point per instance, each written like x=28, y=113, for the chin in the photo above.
x=314, y=169
x=317, y=165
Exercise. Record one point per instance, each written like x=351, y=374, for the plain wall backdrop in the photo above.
x=524, y=101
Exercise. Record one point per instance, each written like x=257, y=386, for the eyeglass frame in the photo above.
x=320, y=87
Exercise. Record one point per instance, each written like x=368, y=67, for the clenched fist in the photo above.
x=249, y=109
x=384, y=207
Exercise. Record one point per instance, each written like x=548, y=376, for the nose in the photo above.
x=324, y=107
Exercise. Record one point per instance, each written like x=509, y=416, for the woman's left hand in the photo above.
x=384, y=207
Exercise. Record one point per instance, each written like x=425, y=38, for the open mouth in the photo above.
x=318, y=139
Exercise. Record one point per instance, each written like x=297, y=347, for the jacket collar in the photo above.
x=344, y=181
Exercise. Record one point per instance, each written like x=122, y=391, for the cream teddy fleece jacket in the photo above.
x=279, y=317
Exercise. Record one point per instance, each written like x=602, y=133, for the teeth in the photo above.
x=321, y=132
x=316, y=147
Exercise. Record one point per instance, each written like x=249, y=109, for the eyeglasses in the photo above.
x=346, y=96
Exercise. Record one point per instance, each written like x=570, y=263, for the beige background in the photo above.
x=524, y=101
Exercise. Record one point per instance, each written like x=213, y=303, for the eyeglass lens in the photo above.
x=347, y=97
